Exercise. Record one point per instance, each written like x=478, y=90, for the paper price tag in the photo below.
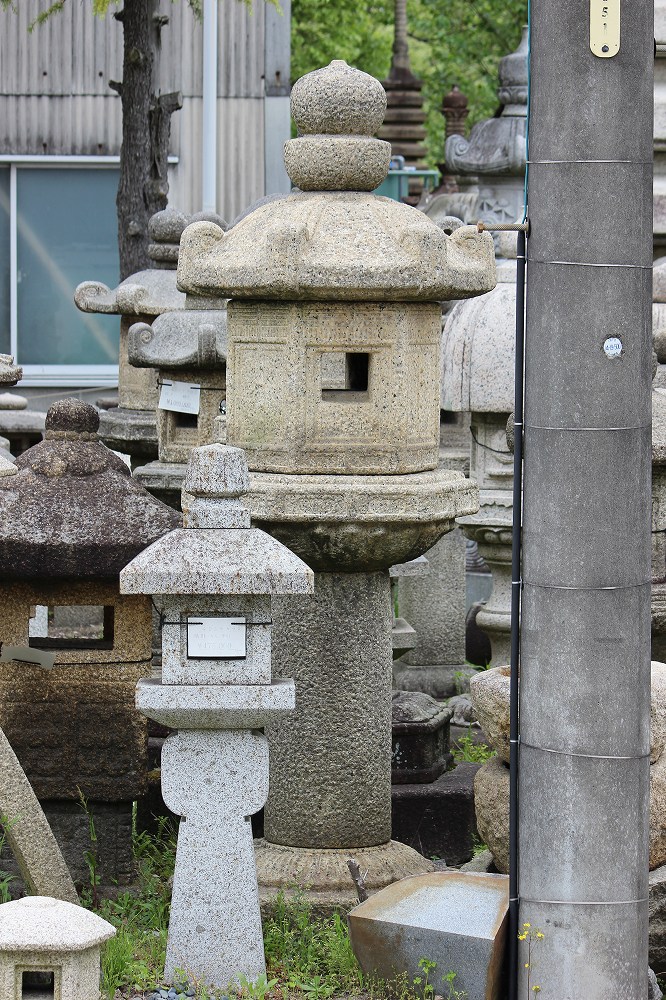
x=180, y=396
x=216, y=638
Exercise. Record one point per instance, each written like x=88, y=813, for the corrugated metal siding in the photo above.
x=78, y=125
x=240, y=155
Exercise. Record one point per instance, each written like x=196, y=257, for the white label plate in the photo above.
x=605, y=28
x=180, y=396
x=216, y=638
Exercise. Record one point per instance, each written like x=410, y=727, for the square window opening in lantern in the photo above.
x=72, y=626
x=344, y=376
x=38, y=985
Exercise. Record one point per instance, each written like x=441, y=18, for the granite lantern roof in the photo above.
x=73, y=510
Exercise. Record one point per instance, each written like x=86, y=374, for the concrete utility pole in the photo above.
x=585, y=674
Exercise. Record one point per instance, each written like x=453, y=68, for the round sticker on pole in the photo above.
x=612, y=347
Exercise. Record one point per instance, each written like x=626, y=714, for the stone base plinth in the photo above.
x=164, y=480
x=438, y=819
x=323, y=875
x=132, y=432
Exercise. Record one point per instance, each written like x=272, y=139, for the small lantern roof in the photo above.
x=225, y=555
x=40, y=923
x=72, y=509
x=190, y=338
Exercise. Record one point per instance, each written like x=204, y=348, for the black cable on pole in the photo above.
x=516, y=586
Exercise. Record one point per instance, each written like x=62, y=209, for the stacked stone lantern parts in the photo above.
x=130, y=427
x=188, y=348
x=212, y=582
x=73, y=647
x=334, y=328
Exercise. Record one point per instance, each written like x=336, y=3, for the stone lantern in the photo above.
x=130, y=427
x=334, y=327
x=73, y=647
x=213, y=582
x=189, y=350
x=50, y=950
x=478, y=351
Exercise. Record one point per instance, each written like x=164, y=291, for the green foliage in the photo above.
x=457, y=42
x=465, y=750
x=5, y=878
x=101, y=7
x=258, y=989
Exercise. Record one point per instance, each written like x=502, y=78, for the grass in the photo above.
x=465, y=750
x=307, y=957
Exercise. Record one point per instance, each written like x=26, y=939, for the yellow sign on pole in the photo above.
x=605, y=28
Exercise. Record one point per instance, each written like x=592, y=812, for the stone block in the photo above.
x=489, y=690
x=420, y=728
x=455, y=919
x=491, y=801
x=438, y=819
x=179, y=433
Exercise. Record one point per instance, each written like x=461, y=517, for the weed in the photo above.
x=529, y=935
x=258, y=989
x=453, y=993
x=465, y=750
x=5, y=878
x=90, y=895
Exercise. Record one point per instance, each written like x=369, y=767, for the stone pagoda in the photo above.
x=491, y=162
x=404, y=122
x=334, y=330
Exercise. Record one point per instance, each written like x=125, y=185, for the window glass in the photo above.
x=66, y=233
x=4, y=261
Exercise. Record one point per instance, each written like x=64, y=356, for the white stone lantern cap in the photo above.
x=40, y=923
x=225, y=555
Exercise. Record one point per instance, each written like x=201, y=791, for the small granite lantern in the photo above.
x=189, y=350
x=70, y=519
x=50, y=950
x=334, y=329
x=212, y=582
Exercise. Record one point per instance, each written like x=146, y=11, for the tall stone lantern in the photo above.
x=213, y=587
x=334, y=328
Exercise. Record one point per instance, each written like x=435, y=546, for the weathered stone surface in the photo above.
x=463, y=709
x=657, y=710
x=361, y=377
x=654, y=993
x=324, y=872
x=215, y=706
x=338, y=100
x=72, y=510
x=456, y=919
x=435, y=607
x=437, y=819
x=12, y=401
x=420, y=728
x=657, y=896
x=188, y=338
x=298, y=248
x=359, y=522
x=217, y=471
x=39, y=859
x=337, y=162
x=491, y=801
x=9, y=372
x=38, y=932
x=489, y=690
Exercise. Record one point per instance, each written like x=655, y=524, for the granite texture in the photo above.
x=299, y=247
x=337, y=162
x=489, y=690
x=216, y=707
x=10, y=373
x=455, y=919
x=491, y=801
x=39, y=933
x=189, y=338
x=300, y=400
x=359, y=522
x=338, y=100
x=73, y=511
x=215, y=924
x=39, y=859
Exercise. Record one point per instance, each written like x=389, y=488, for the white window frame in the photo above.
x=90, y=376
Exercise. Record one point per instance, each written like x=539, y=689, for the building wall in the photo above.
x=55, y=98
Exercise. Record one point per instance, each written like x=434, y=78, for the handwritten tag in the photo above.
x=216, y=638
x=180, y=396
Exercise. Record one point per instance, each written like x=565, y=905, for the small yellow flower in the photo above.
x=536, y=989
x=521, y=937
x=540, y=935
x=527, y=925
x=527, y=965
